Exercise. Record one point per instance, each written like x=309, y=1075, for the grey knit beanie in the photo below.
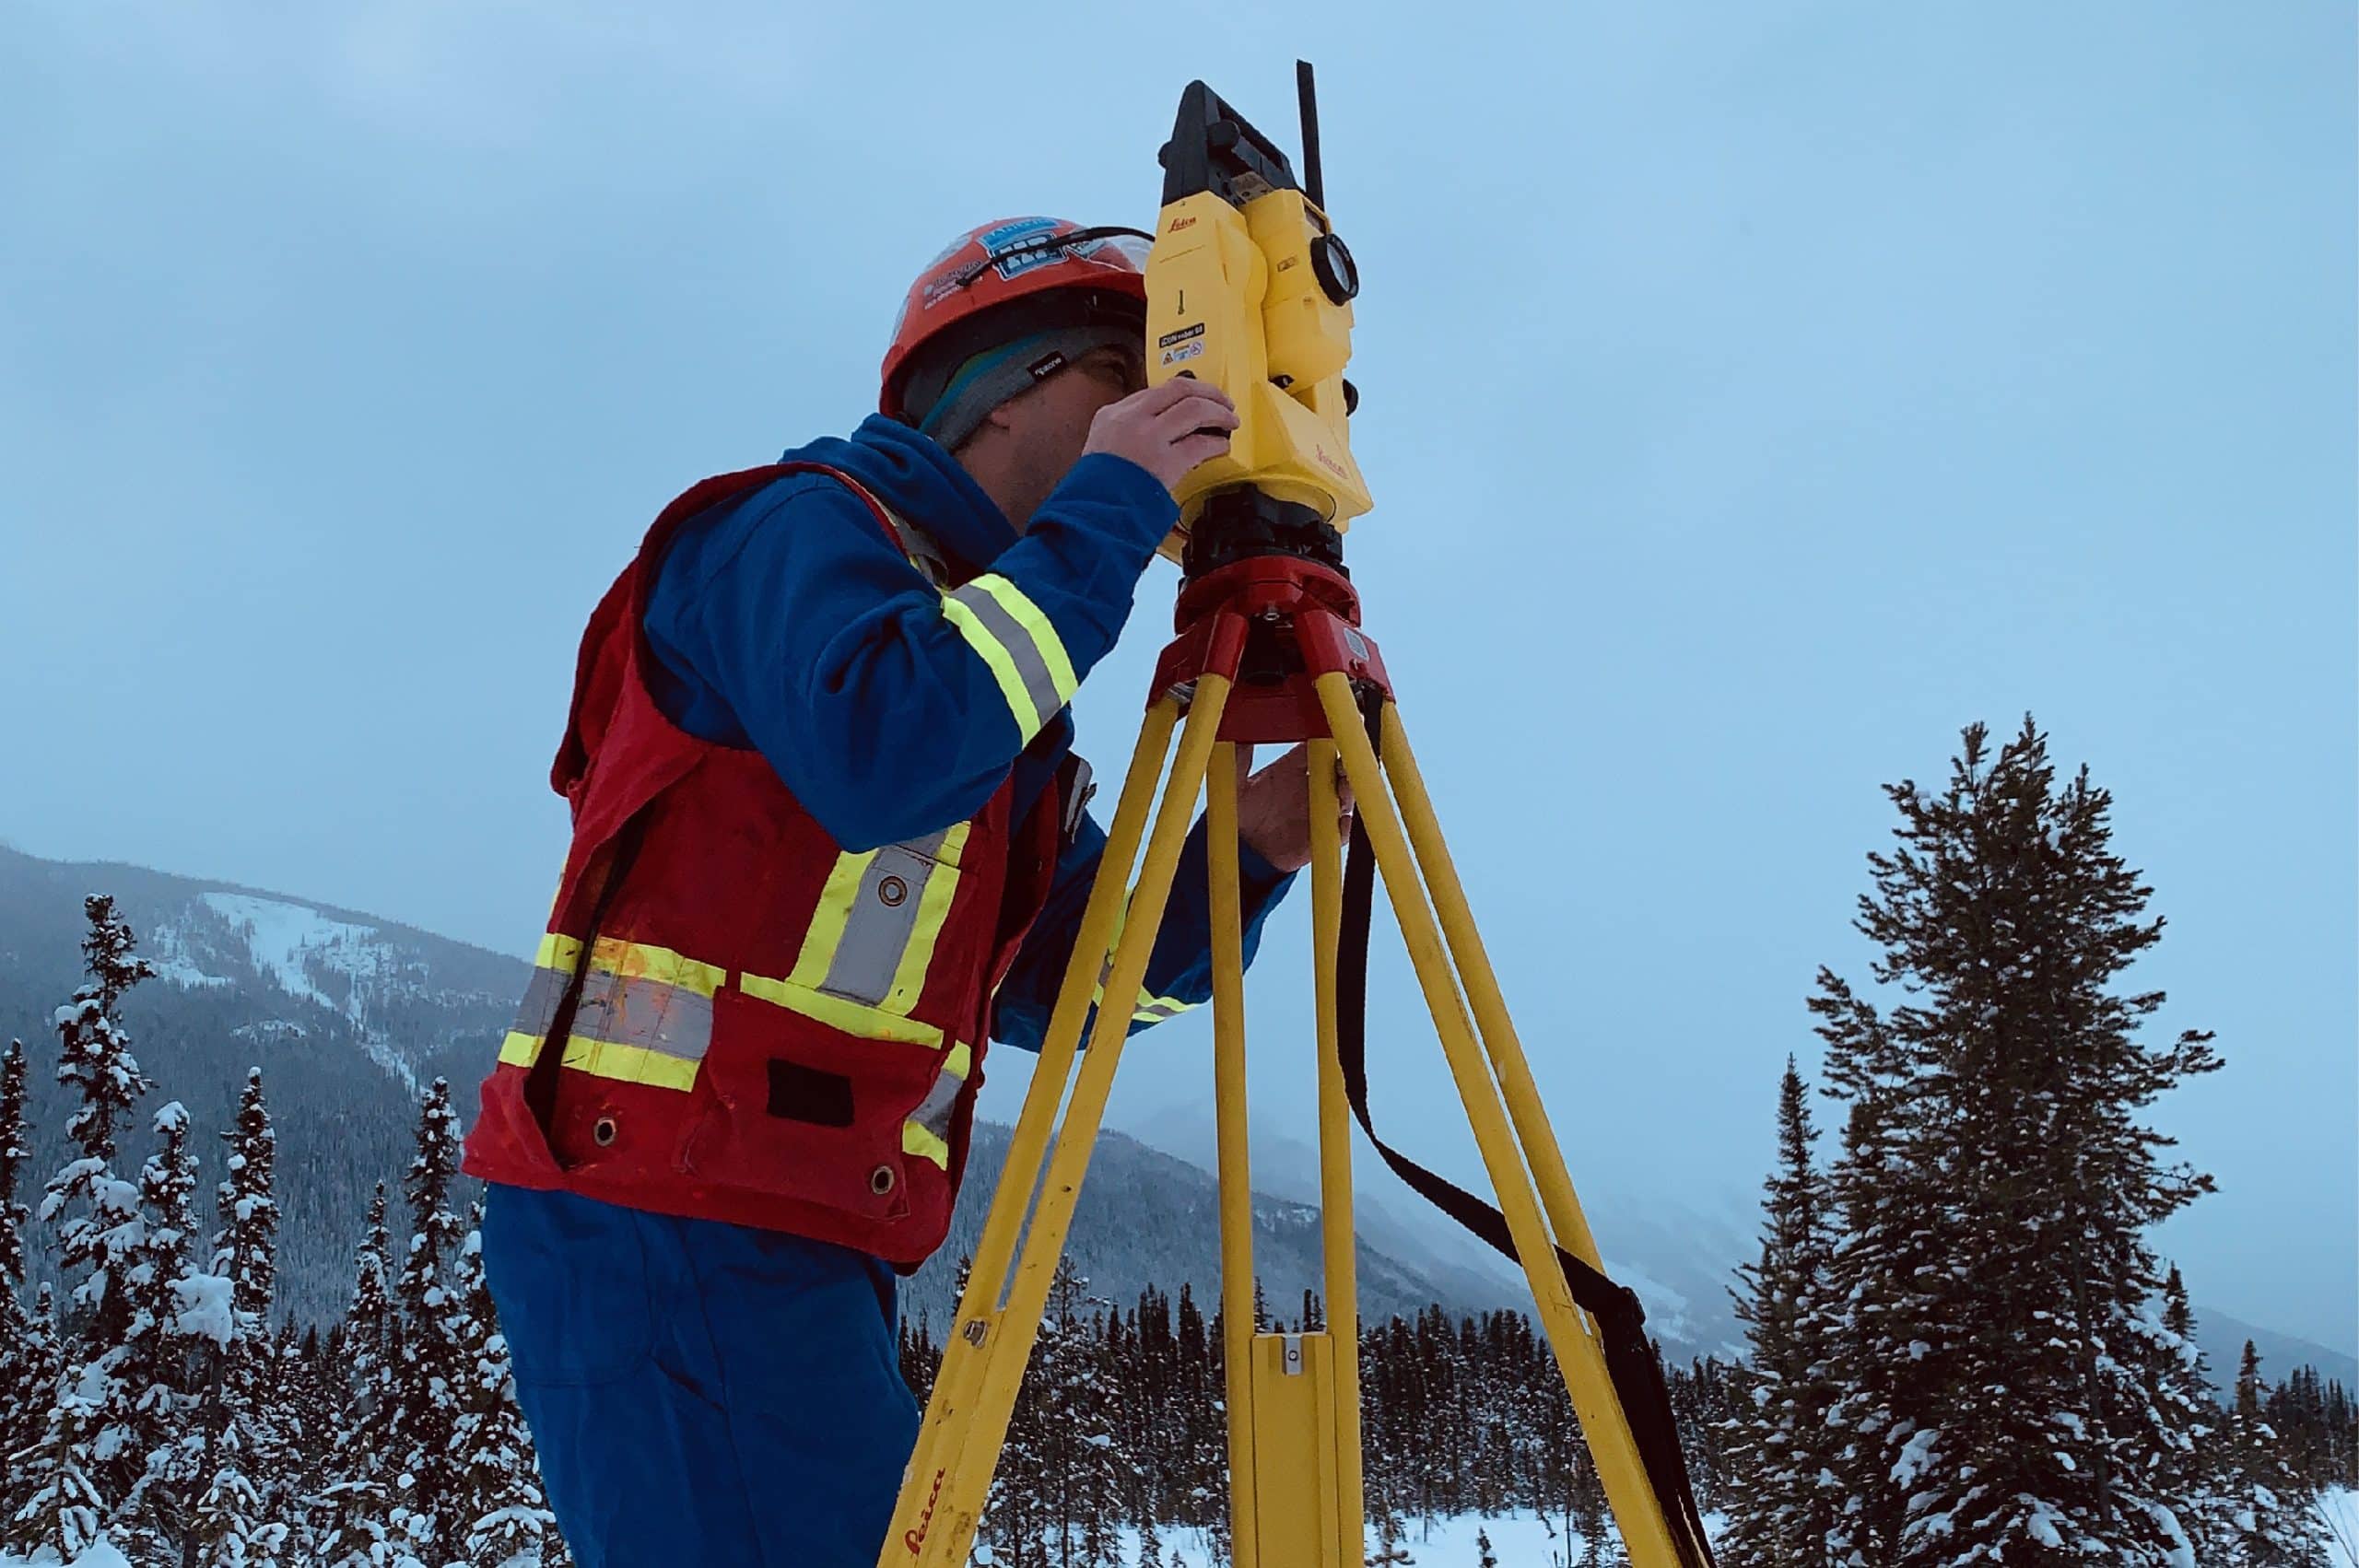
x=989, y=378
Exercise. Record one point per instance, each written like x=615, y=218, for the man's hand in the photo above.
x=1166, y=429
x=1274, y=807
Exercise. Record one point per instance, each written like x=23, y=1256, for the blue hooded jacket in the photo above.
x=787, y=622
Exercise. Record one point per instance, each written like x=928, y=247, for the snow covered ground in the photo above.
x=2340, y=1507
x=1521, y=1539
x=1518, y=1541
x=98, y=1556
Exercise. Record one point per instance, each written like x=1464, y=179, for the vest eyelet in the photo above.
x=602, y=1131
x=892, y=892
x=881, y=1179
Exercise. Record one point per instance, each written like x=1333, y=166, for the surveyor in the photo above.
x=829, y=840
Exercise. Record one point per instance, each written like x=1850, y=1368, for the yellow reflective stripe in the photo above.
x=933, y=908
x=644, y=961
x=1012, y=636
x=836, y=901
x=1002, y=664
x=1158, y=1009
x=1037, y=626
x=918, y=1141
x=521, y=1050
x=851, y=1017
x=1150, y=1008
x=558, y=952
x=629, y=1064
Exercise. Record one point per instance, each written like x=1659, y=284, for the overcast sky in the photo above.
x=1754, y=395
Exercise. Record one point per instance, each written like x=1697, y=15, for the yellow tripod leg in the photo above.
x=956, y=1499
x=1337, y=1231
x=1235, y=1168
x=972, y=1344
x=1645, y=1532
x=1293, y=1399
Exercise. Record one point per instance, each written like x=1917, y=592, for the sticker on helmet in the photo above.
x=1013, y=235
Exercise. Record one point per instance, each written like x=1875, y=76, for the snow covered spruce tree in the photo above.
x=1781, y=1506
x=349, y=1513
x=2189, y=1468
x=179, y=1316
x=1080, y=1400
x=1999, y=1372
x=246, y=1498
x=497, y=1514
x=1056, y=1492
x=2271, y=1522
x=1589, y=1518
x=314, y=1395
x=434, y=1358
x=81, y=1466
x=25, y=1353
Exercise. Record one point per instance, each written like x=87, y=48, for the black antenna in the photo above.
x=1313, y=185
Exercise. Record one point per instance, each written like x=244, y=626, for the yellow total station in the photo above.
x=1249, y=289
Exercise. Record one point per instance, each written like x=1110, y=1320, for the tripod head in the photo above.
x=1247, y=286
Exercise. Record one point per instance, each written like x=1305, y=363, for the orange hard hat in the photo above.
x=1001, y=280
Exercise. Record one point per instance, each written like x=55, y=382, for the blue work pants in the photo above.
x=700, y=1393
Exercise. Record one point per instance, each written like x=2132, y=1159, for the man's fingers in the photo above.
x=1160, y=396
x=1178, y=390
x=1195, y=416
x=1194, y=450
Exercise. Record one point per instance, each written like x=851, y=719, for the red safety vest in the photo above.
x=754, y=1024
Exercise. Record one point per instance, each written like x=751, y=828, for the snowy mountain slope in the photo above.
x=390, y=985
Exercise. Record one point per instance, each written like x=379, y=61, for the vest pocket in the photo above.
x=801, y=1109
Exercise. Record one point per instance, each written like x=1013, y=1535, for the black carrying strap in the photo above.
x=1631, y=1360
x=540, y=1079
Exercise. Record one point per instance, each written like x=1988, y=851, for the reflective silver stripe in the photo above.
x=538, y=1010
x=934, y=1111
x=883, y=915
x=1031, y=666
x=627, y=1011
